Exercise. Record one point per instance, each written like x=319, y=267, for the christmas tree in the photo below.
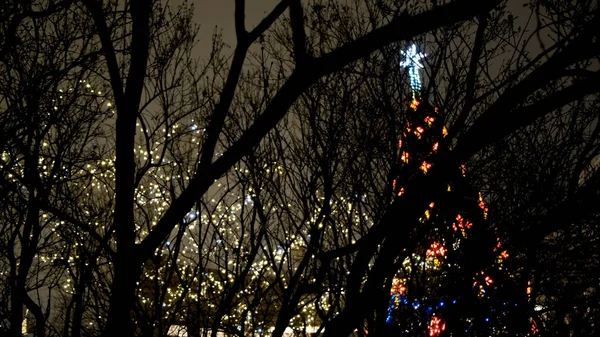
x=455, y=282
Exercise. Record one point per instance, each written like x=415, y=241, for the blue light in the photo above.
x=487, y=319
x=454, y=302
x=441, y=304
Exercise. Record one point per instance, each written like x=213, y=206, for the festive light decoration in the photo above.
x=461, y=223
x=436, y=326
x=436, y=249
x=418, y=293
x=413, y=61
x=223, y=216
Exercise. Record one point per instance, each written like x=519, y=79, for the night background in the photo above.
x=299, y=168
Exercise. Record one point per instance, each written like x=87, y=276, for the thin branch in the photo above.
x=471, y=76
x=95, y=8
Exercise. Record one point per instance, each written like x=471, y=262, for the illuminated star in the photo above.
x=413, y=61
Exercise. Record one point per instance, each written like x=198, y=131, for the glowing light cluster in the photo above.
x=436, y=326
x=398, y=287
x=436, y=249
x=461, y=223
x=413, y=61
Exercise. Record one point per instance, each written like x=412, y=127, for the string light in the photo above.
x=436, y=256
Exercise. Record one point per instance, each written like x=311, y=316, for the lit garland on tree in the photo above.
x=424, y=293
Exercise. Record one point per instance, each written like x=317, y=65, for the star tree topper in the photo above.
x=413, y=62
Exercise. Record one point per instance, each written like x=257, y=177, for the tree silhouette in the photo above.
x=252, y=193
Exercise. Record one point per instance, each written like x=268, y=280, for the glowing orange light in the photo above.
x=429, y=120
x=399, y=143
x=420, y=129
x=435, y=146
x=461, y=223
x=431, y=205
x=405, y=157
x=463, y=169
x=444, y=131
x=534, y=328
x=436, y=249
x=414, y=104
x=425, y=166
x=398, y=287
x=436, y=326
x=401, y=191
x=482, y=205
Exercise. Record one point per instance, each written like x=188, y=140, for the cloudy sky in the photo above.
x=219, y=13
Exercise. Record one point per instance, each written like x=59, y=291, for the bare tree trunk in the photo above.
x=40, y=320
x=78, y=309
x=120, y=321
x=28, y=246
x=16, y=309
